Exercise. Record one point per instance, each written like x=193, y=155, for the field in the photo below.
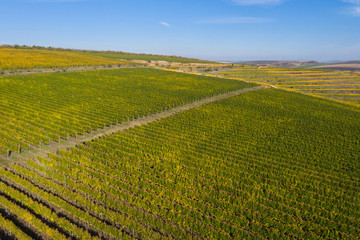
x=32, y=58
x=265, y=164
x=25, y=57
x=341, y=86
x=143, y=153
x=38, y=109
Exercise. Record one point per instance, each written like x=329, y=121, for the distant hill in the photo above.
x=353, y=66
x=281, y=64
x=353, y=62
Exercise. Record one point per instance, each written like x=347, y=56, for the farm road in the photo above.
x=71, y=142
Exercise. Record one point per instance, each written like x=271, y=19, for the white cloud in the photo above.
x=355, y=8
x=165, y=24
x=258, y=2
x=356, y=11
x=356, y=2
x=234, y=20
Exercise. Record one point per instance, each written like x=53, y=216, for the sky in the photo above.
x=221, y=30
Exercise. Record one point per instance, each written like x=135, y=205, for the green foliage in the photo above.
x=36, y=109
x=265, y=164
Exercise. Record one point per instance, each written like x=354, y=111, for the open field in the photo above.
x=264, y=164
x=340, y=86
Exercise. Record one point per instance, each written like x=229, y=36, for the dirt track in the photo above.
x=71, y=142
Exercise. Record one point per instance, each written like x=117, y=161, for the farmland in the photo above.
x=180, y=120
x=264, y=164
x=339, y=86
x=143, y=153
x=25, y=58
x=12, y=59
x=38, y=109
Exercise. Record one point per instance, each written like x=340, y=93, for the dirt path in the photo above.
x=72, y=141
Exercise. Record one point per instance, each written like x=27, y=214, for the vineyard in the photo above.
x=31, y=58
x=38, y=109
x=339, y=86
x=239, y=161
x=264, y=164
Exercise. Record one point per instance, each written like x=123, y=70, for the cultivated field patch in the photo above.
x=264, y=164
x=12, y=59
x=38, y=109
x=314, y=82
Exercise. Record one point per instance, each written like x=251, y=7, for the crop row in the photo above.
x=266, y=164
x=39, y=109
x=24, y=58
x=299, y=80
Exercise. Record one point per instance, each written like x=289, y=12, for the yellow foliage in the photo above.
x=31, y=58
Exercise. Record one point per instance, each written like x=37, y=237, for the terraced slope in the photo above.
x=340, y=86
x=265, y=164
x=37, y=109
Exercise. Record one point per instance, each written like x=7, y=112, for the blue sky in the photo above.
x=230, y=30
